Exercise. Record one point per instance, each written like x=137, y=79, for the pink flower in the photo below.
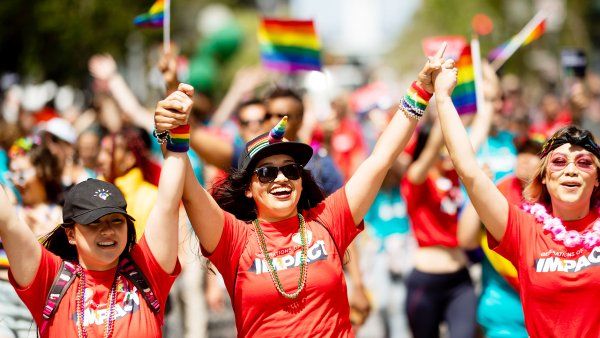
x=591, y=239
x=552, y=223
x=596, y=226
x=572, y=239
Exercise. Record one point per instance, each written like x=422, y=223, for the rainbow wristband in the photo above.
x=415, y=101
x=179, y=141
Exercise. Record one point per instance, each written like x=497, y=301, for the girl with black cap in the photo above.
x=90, y=277
x=278, y=244
x=553, y=239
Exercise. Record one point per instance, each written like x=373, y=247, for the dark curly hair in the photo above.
x=230, y=194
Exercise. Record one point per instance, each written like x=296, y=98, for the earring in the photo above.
x=72, y=242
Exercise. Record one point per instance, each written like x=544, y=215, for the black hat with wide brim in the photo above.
x=273, y=143
x=300, y=152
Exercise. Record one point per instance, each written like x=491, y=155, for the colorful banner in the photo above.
x=289, y=46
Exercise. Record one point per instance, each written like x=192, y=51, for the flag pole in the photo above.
x=476, y=59
x=167, y=27
x=518, y=40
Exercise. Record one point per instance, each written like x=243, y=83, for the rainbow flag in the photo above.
x=464, y=95
x=154, y=17
x=531, y=32
x=289, y=46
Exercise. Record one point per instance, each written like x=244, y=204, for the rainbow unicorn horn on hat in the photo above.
x=276, y=134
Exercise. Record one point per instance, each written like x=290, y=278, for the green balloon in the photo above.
x=223, y=43
x=203, y=73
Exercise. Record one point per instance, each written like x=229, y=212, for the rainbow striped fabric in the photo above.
x=289, y=46
x=464, y=96
x=274, y=136
x=532, y=34
x=179, y=139
x=154, y=17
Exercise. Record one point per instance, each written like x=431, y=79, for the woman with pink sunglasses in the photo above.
x=554, y=238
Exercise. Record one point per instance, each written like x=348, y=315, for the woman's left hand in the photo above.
x=175, y=110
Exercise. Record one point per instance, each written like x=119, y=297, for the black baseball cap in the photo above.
x=273, y=143
x=92, y=199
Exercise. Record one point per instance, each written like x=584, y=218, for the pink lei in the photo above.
x=570, y=238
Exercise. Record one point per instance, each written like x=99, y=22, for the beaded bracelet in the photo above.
x=179, y=141
x=415, y=101
x=161, y=137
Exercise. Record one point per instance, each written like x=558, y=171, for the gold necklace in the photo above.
x=272, y=271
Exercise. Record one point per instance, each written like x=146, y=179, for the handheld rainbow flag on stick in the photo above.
x=535, y=28
x=464, y=95
x=289, y=46
x=153, y=18
x=158, y=16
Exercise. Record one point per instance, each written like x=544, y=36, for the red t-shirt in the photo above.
x=512, y=188
x=321, y=309
x=133, y=316
x=560, y=287
x=432, y=208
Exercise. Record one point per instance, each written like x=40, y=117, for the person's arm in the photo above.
x=212, y=148
x=104, y=68
x=417, y=171
x=363, y=186
x=490, y=204
x=245, y=81
x=482, y=123
x=168, y=67
x=469, y=228
x=162, y=231
x=205, y=215
x=22, y=249
x=358, y=298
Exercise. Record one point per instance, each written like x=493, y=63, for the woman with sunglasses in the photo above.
x=278, y=244
x=554, y=238
x=97, y=238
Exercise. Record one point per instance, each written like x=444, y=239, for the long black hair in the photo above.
x=57, y=241
x=230, y=194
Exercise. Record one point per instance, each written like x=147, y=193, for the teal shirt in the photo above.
x=387, y=214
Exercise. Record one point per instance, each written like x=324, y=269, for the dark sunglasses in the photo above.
x=268, y=174
x=245, y=123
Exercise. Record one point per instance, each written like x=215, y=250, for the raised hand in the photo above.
x=168, y=67
x=426, y=77
x=102, y=66
x=175, y=109
x=445, y=79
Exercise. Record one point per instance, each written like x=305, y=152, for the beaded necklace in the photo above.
x=273, y=272
x=569, y=238
x=80, y=306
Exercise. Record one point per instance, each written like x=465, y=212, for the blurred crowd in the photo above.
x=54, y=137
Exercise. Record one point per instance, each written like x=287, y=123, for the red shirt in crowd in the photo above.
x=133, y=316
x=432, y=208
x=560, y=287
x=512, y=188
x=321, y=309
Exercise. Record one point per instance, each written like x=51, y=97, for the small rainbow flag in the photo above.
x=531, y=32
x=289, y=46
x=464, y=95
x=154, y=18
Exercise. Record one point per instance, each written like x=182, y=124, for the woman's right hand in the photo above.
x=175, y=109
x=445, y=79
